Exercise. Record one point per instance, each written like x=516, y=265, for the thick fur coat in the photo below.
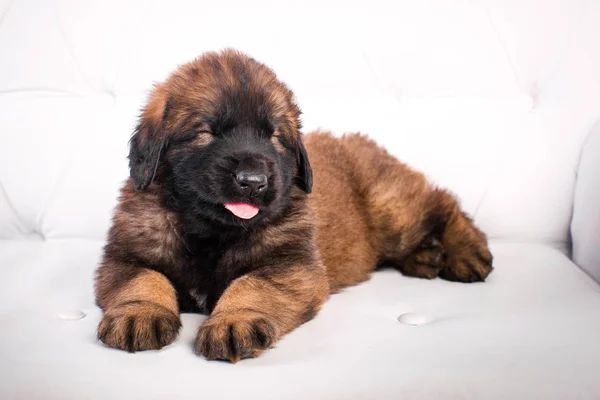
x=230, y=211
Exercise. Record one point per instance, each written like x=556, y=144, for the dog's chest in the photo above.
x=209, y=269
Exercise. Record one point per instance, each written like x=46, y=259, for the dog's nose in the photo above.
x=251, y=183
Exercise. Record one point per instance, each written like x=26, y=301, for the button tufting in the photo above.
x=413, y=319
x=71, y=315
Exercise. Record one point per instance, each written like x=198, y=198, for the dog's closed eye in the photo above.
x=196, y=138
x=203, y=138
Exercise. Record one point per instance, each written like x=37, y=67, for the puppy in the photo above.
x=218, y=216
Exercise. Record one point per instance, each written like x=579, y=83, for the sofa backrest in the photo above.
x=492, y=99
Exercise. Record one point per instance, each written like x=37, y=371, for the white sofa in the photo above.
x=496, y=100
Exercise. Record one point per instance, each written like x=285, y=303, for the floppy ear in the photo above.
x=304, y=179
x=144, y=153
x=148, y=142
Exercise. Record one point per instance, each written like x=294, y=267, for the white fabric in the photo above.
x=530, y=332
x=493, y=99
x=585, y=228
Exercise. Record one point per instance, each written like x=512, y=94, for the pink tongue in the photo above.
x=242, y=210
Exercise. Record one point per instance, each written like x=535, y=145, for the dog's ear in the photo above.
x=304, y=178
x=148, y=141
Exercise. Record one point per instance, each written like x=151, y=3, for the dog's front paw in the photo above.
x=235, y=335
x=138, y=325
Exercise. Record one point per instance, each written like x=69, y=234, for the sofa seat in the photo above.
x=530, y=332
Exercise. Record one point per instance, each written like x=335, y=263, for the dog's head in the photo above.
x=222, y=134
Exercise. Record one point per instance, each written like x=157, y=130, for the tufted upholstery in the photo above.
x=493, y=99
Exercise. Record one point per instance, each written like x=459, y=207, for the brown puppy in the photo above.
x=217, y=216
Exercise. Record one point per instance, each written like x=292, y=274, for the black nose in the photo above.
x=251, y=183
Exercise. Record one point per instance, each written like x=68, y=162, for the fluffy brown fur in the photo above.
x=174, y=247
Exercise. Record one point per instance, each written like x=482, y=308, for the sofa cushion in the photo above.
x=530, y=331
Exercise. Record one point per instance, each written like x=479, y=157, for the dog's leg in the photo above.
x=468, y=258
x=140, y=308
x=258, y=308
x=417, y=227
x=452, y=247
